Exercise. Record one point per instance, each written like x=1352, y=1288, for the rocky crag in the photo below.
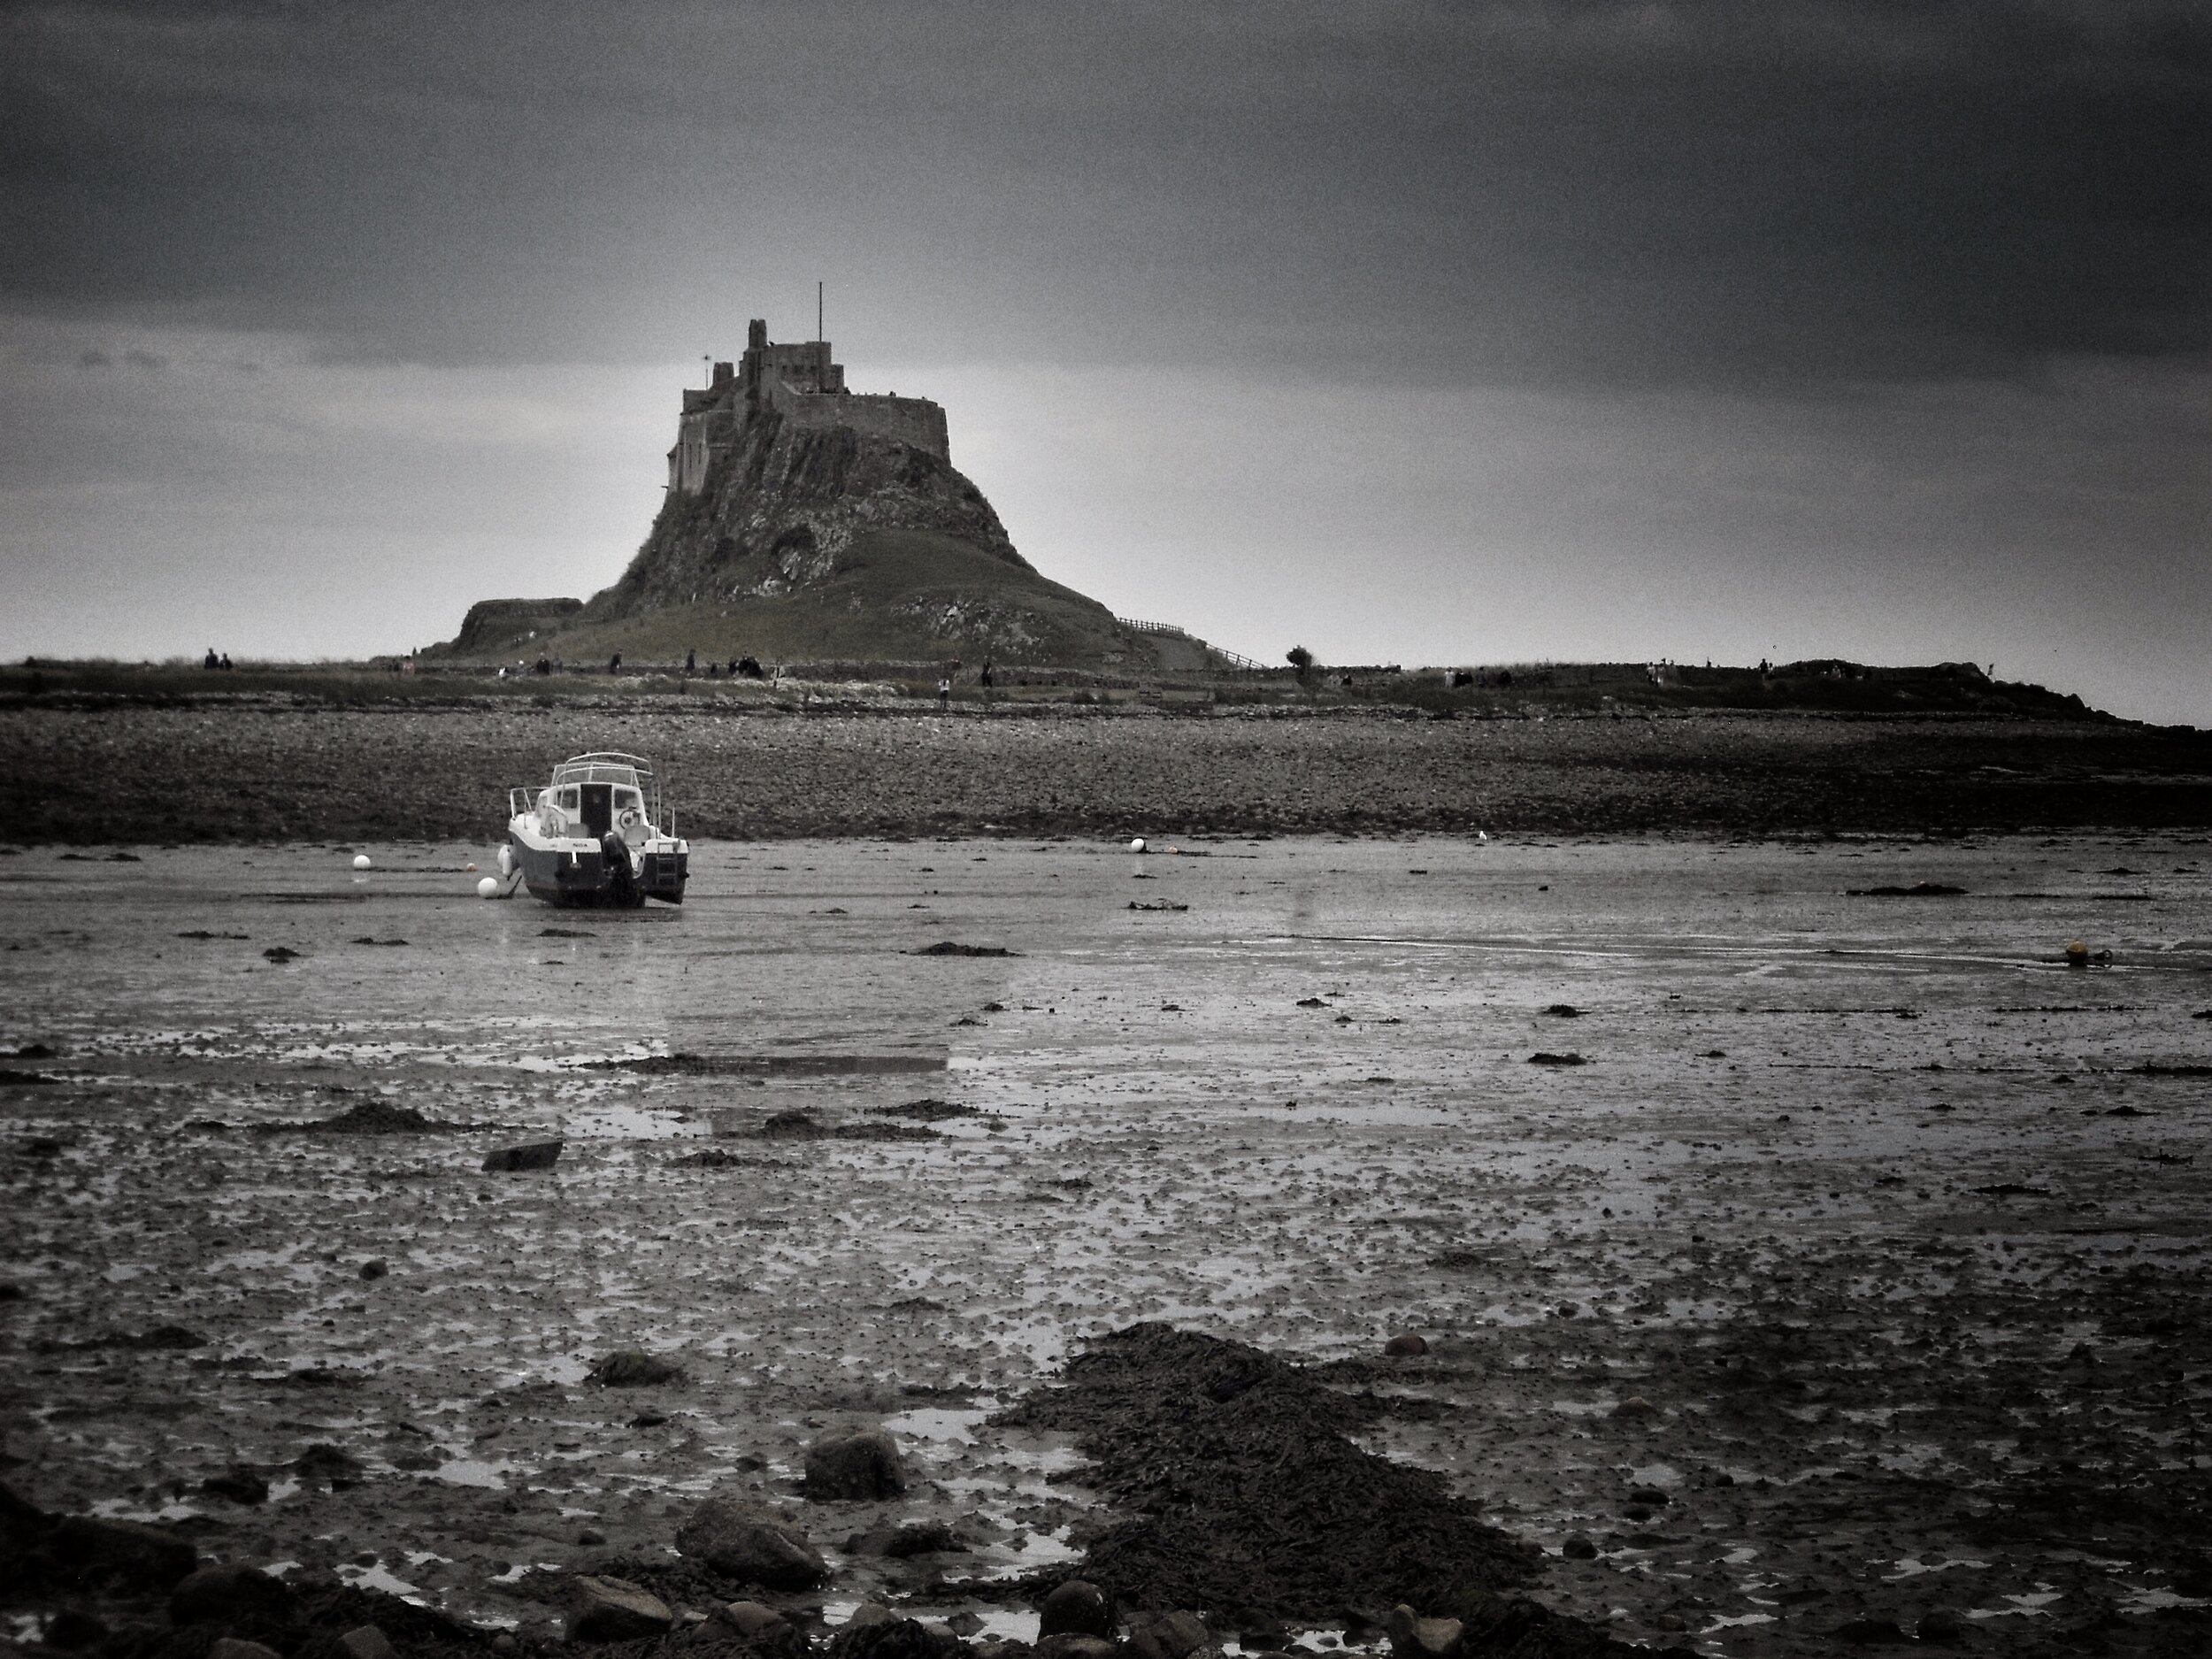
x=805, y=521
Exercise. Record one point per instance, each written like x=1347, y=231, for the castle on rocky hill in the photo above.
x=801, y=384
x=806, y=523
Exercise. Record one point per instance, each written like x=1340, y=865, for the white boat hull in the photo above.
x=597, y=837
x=578, y=871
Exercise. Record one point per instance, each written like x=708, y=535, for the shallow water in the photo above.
x=1754, y=1206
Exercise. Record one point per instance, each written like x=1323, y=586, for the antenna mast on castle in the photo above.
x=817, y=312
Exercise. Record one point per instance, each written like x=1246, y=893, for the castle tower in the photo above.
x=800, y=385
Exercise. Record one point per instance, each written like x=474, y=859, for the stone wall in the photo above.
x=915, y=421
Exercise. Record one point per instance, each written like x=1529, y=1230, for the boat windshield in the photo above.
x=632, y=776
x=602, y=769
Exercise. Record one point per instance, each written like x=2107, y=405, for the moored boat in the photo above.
x=599, y=834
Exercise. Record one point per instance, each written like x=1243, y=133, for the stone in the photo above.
x=239, y=1484
x=374, y=1268
x=1073, y=1645
x=1076, y=1608
x=921, y=1538
x=1870, y=1632
x=1651, y=1497
x=1578, y=1548
x=230, y=1595
x=541, y=1155
x=74, y=1628
x=128, y=1554
x=1940, y=1624
x=634, y=1368
x=368, y=1641
x=1635, y=1406
x=864, y=1466
x=231, y=1647
x=752, y=1619
x=333, y=1466
x=1413, y=1637
x=891, y=1637
x=22, y=1523
x=1406, y=1345
x=1168, y=1636
x=615, y=1609
x=749, y=1548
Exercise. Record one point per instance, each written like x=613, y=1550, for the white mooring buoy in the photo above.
x=488, y=887
x=1137, y=846
x=361, y=861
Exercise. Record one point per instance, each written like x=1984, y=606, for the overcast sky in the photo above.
x=1411, y=333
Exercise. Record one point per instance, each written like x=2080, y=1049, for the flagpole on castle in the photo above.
x=817, y=312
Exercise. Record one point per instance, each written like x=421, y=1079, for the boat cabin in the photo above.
x=595, y=793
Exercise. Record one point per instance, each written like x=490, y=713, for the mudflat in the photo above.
x=1797, y=1242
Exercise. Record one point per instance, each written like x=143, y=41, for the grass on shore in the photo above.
x=1559, y=689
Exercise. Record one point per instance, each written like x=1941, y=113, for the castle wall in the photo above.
x=801, y=383
x=910, y=420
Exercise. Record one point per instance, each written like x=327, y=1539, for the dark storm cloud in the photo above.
x=1713, y=193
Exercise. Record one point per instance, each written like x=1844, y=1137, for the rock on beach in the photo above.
x=861, y=1467
x=615, y=1609
x=539, y=1154
x=749, y=1547
x=1077, y=1607
x=229, y=1595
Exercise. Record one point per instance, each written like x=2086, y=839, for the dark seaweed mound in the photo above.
x=1248, y=1497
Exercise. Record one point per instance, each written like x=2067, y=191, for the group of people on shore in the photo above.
x=741, y=668
x=212, y=661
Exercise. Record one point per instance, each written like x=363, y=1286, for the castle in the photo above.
x=800, y=386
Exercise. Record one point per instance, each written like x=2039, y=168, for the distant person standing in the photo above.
x=986, y=676
x=691, y=662
x=211, y=662
x=226, y=659
x=614, y=663
x=944, y=695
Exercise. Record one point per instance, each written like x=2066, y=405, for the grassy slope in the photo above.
x=866, y=612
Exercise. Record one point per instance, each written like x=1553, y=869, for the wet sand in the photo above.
x=1892, y=1222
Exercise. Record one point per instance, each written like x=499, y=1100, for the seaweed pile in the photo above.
x=1246, y=1496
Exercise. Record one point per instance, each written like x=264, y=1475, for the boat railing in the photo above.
x=523, y=799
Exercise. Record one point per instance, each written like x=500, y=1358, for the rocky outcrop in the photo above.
x=781, y=507
x=498, y=627
x=805, y=523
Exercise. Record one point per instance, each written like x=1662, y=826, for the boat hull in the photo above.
x=590, y=877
